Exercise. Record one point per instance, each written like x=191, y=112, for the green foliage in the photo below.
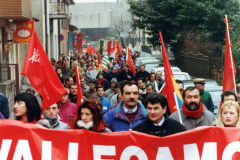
x=175, y=17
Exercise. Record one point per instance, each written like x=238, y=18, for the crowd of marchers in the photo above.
x=117, y=100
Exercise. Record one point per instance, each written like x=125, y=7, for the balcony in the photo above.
x=16, y=9
x=58, y=10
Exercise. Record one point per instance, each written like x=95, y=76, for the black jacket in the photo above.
x=123, y=75
x=141, y=74
x=110, y=76
x=168, y=127
x=104, y=83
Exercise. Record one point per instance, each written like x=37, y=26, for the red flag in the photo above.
x=93, y=50
x=118, y=50
x=120, y=47
x=229, y=66
x=41, y=74
x=130, y=62
x=79, y=41
x=89, y=50
x=113, y=48
x=109, y=47
x=79, y=88
x=171, y=90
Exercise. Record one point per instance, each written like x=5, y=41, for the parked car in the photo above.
x=156, y=69
x=139, y=59
x=179, y=75
x=215, y=92
x=208, y=83
x=150, y=64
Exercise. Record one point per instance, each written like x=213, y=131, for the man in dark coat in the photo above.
x=156, y=123
x=126, y=74
x=141, y=73
x=113, y=74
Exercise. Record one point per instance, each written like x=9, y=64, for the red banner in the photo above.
x=24, y=30
x=29, y=141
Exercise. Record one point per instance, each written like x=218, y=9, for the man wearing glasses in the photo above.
x=206, y=98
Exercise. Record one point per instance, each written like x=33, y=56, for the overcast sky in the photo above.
x=91, y=1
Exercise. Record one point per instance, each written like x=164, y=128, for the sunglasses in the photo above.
x=202, y=83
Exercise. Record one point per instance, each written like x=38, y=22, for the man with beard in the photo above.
x=193, y=112
x=129, y=111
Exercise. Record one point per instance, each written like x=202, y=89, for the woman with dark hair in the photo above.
x=152, y=79
x=102, y=81
x=27, y=108
x=89, y=117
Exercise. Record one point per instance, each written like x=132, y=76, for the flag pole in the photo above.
x=231, y=57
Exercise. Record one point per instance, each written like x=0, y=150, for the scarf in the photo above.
x=89, y=125
x=100, y=81
x=53, y=121
x=194, y=114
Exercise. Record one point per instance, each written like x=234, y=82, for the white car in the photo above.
x=179, y=75
x=156, y=69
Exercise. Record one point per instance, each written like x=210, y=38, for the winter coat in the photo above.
x=207, y=100
x=206, y=119
x=67, y=111
x=124, y=74
x=113, y=75
x=118, y=121
x=168, y=127
x=141, y=74
x=4, y=107
x=105, y=104
x=91, y=73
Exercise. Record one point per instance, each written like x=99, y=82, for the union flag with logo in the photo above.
x=41, y=74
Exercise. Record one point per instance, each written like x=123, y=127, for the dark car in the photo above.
x=216, y=96
x=208, y=83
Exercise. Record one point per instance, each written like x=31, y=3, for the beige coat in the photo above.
x=206, y=119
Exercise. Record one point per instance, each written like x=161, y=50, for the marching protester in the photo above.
x=142, y=87
x=113, y=74
x=27, y=108
x=83, y=84
x=111, y=90
x=229, y=115
x=193, y=112
x=157, y=122
x=141, y=73
x=159, y=79
x=92, y=90
x=73, y=93
x=91, y=73
x=60, y=75
x=129, y=112
x=152, y=79
x=68, y=81
x=52, y=119
x=180, y=86
x=4, y=107
x=106, y=105
x=126, y=74
x=206, y=97
x=89, y=117
x=66, y=109
x=102, y=81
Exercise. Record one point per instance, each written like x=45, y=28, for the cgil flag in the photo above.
x=105, y=60
x=41, y=74
x=170, y=90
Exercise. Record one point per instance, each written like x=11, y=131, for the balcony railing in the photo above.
x=58, y=10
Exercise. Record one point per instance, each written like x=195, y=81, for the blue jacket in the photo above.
x=4, y=108
x=118, y=121
x=106, y=104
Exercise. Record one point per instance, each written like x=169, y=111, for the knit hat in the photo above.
x=114, y=80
